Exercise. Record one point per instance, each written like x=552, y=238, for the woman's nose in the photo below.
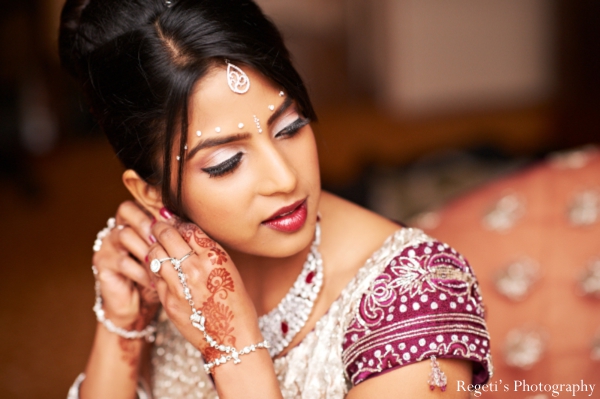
x=278, y=175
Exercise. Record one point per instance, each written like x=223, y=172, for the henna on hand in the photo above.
x=219, y=316
x=216, y=255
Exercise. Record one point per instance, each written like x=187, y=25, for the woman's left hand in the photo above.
x=215, y=286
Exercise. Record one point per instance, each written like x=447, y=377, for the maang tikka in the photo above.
x=237, y=79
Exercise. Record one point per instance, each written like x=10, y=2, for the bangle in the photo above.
x=74, y=390
x=149, y=332
x=232, y=354
x=198, y=320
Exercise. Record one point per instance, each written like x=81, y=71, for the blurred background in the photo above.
x=423, y=104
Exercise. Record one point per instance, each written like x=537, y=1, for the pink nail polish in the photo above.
x=152, y=239
x=164, y=212
x=146, y=259
x=153, y=222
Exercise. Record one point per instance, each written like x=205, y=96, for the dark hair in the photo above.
x=138, y=60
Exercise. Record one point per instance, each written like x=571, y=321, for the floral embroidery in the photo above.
x=426, y=303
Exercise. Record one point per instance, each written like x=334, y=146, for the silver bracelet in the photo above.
x=147, y=333
x=198, y=320
x=74, y=390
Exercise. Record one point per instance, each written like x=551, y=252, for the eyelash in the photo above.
x=225, y=167
x=232, y=163
x=293, y=128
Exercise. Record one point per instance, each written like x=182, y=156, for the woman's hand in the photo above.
x=215, y=286
x=129, y=300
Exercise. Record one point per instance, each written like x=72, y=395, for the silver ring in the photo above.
x=177, y=262
x=156, y=264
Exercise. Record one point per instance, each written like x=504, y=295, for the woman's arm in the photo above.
x=412, y=382
x=129, y=302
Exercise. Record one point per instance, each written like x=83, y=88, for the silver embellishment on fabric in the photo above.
x=589, y=284
x=312, y=369
x=237, y=79
x=595, y=353
x=573, y=159
x=504, y=213
x=524, y=347
x=437, y=378
x=280, y=325
x=516, y=280
x=585, y=208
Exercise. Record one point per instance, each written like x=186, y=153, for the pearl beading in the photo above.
x=148, y=332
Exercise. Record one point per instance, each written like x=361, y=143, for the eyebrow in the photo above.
x=217, y=141
x=285, y=105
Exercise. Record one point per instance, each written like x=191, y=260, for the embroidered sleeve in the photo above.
x=425, y=303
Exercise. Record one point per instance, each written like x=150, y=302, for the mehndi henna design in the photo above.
x=216, y=255
x=219, y=316
x=219, y=281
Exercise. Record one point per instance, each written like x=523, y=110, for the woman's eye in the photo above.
x=224, y=167
x=293, y=128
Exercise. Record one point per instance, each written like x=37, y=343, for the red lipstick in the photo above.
x=289, y=218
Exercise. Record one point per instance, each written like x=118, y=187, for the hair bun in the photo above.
x=69, y=47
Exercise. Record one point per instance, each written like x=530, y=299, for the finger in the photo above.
x=133, y=243
x=134, y=271
x=166, y=279
x=203, y=245
x=132, y=215
x=171, y=240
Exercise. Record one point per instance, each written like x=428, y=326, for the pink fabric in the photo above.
x=425, y=303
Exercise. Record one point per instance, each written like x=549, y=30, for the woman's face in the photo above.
x=253, y=192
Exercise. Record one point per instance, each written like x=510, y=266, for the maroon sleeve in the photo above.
x=425, y=303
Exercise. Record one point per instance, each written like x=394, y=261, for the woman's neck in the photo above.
x=267, y=280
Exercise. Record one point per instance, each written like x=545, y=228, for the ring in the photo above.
x=156, y=264
x=177, y=262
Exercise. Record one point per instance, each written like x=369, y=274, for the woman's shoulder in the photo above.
x=350, y=235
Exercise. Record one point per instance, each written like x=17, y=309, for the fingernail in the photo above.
x=164, y=212
x=152, y=239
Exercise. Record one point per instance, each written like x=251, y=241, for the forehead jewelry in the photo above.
x=198, y=133
x=281, y=94
x=257, y=121
x=241, y=125
x=168, y=3
x=218, y=129
x=271, y=107
x=237, y=80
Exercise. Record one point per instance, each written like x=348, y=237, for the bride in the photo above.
x=232, y=273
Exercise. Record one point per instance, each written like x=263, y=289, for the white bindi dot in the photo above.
x=272, y=107
x=185, y=148
x=241, y=125
x=178, y=158
x=281, y=94
x=260, y=130
x=198, y=133
x=218, y=129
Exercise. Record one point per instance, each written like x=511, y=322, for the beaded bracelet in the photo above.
x=198, y=320
x=141, y=391
x=147, y=333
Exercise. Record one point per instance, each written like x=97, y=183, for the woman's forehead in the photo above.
x=213, y=100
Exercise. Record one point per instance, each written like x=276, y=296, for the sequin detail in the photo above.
x=425, y=303
x=315, y=368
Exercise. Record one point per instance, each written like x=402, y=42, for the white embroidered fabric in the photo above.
x=313, y=369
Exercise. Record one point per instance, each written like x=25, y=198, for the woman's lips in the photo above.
x=288, y=219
